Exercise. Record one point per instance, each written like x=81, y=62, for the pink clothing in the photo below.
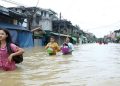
x=5, y=64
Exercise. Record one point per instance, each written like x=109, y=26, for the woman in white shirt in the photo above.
x=67, y=47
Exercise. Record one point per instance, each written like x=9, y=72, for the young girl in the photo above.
x=6, y=62
x=52, y=46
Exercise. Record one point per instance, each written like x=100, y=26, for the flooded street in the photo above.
x=90, y=65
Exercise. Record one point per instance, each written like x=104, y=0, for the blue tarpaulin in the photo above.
x=25, y=39
x=19, y=34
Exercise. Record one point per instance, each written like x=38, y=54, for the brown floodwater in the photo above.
x=89, y=65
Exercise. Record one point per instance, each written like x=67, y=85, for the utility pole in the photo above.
x=59, y=26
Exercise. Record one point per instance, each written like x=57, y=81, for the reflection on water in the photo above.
x=90, y=65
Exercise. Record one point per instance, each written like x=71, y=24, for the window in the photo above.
x=6, y=19
x=38, y=18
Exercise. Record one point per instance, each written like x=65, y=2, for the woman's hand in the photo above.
x=10, y=57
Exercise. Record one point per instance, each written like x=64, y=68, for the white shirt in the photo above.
x=71, y=46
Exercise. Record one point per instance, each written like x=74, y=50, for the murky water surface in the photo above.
x=90, y=65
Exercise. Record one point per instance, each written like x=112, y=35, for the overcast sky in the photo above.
x=97, y=16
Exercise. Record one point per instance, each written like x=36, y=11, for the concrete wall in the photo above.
x=46, y=24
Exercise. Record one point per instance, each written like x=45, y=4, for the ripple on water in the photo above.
x=89, y=65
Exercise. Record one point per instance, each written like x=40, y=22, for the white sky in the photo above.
x=96, y=16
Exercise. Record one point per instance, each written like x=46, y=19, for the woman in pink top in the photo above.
x=6, y=62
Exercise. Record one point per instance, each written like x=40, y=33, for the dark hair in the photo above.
x=67, y=37
x=8, y=39
x=52, y=37
x=65, y=44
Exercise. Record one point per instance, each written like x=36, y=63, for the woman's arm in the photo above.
x=17, y=51
x=47, y=46
x=57, y=46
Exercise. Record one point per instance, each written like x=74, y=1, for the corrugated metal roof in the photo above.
x=11, y=26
